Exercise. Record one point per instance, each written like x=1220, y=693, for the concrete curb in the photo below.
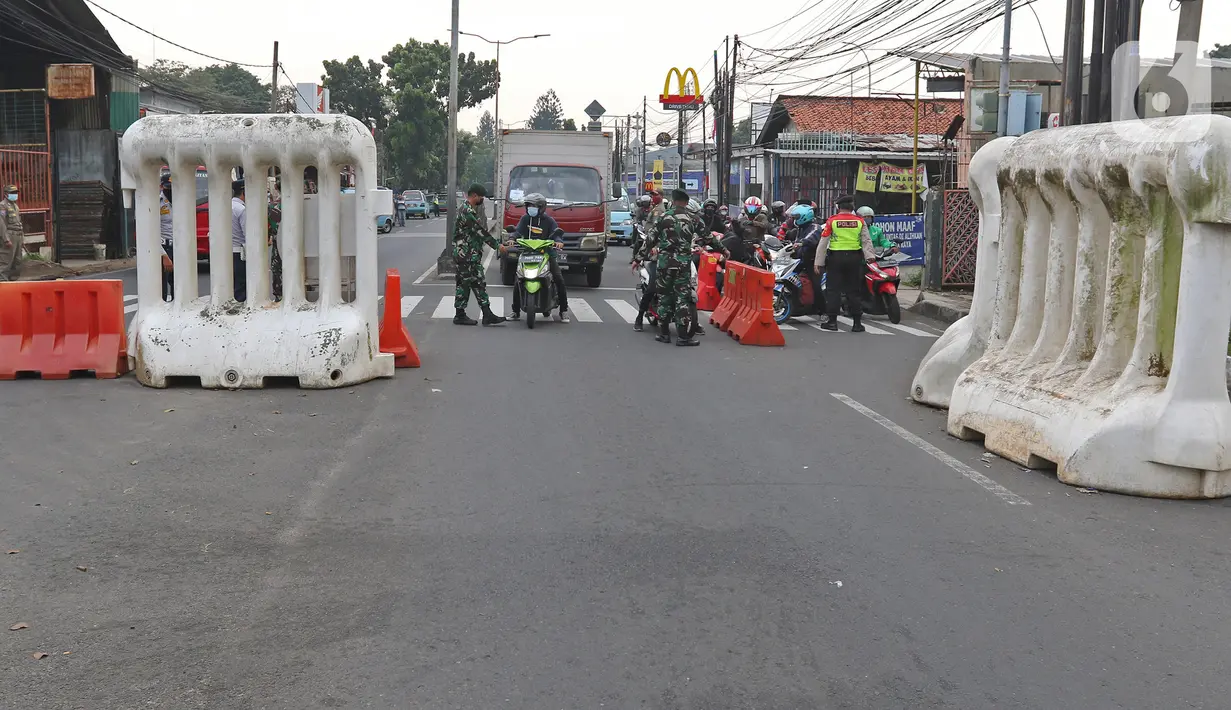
x=937, y=310
x=104, y=267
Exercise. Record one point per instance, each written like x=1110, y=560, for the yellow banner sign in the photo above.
x=892, y=178
x=658, y=175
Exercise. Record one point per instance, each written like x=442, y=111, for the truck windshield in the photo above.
x=559, y=184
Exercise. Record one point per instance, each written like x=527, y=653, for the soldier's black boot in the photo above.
x=830, y=323
x=856, y=326
x=490, y=318
x=462, y=319
x=698, y=330
x=664, y=333
x=638, y=324
x=684, y=339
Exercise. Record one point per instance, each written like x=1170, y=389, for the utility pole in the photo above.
x=444, y=264
x=717, y=132
x=273, y=85
x=1111, y=42
x=705, y=160
x=730, y=135
x=1074, y=61
x=1002, y=121
x=1095, y=89
x=645, y=118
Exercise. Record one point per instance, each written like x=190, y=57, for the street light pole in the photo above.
x=498, y=42
x=869, y=61
x=444, y=264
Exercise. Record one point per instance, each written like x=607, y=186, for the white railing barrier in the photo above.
x=1105, y=354
x=964, y=341
x=229, y=344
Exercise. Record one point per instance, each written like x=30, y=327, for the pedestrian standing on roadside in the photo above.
x=168, y=239
x=12, y=235
x=468, y=240
x=845, y=247
x=239, y=237
x=399, y=209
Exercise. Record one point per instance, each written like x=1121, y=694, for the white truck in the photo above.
x=572, y=169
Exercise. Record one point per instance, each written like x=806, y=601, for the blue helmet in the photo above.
x=803, y=214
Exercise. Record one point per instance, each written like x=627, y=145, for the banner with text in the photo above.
x=892, y=178
x=907, y=231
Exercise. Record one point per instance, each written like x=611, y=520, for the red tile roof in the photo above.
x=869, y=116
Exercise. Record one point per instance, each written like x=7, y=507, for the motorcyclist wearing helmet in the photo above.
x=641, y=223
x=711, y=219
x=809, y=233
x=879, y=240
x=777, y=214
x=536, y=217
x=754, y=221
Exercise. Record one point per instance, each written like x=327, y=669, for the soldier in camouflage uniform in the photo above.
x=468, y=240
x=12, y=235
x=675, y=231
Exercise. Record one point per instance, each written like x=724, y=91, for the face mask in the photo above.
x=12, y=196
x=532, y=211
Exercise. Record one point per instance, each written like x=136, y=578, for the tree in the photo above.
x=743, y=132
x=419, y=86
x=229, y=88
x=286, y=103
x=1221, y=51
x=569, y=125
x=547, y=114
x=487, y=128
x=358, y=90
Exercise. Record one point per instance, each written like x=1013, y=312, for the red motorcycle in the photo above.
x=883, y=281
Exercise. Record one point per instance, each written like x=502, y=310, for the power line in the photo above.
x=297, y=91
x=175, y=44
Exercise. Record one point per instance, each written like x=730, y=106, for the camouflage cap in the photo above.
x=10, y=188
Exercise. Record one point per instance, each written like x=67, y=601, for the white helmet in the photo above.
x=865, y=211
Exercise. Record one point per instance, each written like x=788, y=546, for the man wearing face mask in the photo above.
x=536, y=217
x=12, y=235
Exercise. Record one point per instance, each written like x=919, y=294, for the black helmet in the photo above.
x=710, y=203
x=778, y=206
x=535, y=199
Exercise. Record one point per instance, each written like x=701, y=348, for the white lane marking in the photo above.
x=426, y=274
x=129, y=299
x=870, y=328
x=444, y=309
x=908, y=329
x=409, y=303
x=806, y=319
x=130, y=309
x=497, y=304
x=787, y=326
x=991, y=486
x=624, y=309
x=583, y=312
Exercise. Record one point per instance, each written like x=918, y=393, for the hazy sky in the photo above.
x=596, y=51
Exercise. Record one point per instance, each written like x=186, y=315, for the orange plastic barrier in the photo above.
x=707, y=282
x=746, y=311
x=57, y=328
x=394, y=338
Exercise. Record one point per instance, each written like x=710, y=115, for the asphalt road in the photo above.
x=579, y=517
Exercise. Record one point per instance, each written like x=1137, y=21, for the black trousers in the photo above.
x=241, y=277
x=168, y=277
x=844, y=273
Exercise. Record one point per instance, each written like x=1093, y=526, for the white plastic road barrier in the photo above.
x=964, y=342
x=230, y=344
x=1101, y=309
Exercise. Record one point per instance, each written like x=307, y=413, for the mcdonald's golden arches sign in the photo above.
x=682, y=100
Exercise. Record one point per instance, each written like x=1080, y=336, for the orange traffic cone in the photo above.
x=394, y=338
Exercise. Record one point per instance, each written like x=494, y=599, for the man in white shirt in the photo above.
x=239, y=237
x=165, y=231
